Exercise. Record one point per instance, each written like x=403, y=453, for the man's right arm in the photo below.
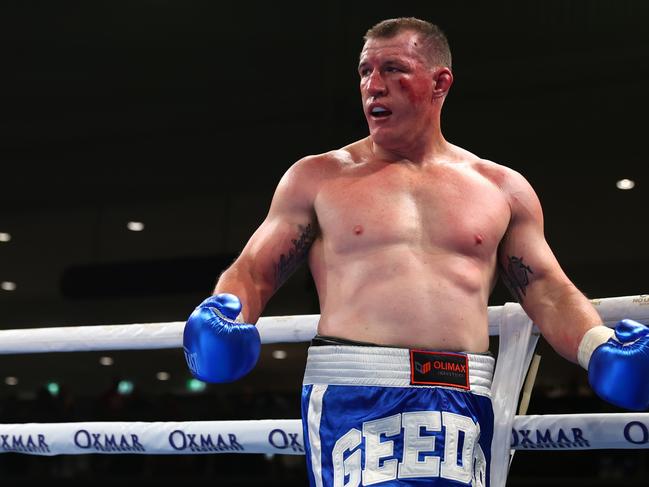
x=279, y=245
x=218, y=348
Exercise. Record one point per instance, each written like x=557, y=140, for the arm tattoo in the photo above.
x=296, y=255
x=516, y=276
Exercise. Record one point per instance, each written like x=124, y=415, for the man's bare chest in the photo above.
x=445, y=210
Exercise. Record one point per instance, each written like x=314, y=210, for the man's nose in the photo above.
x=376, y=85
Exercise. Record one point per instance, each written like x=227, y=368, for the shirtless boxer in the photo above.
x=404, y=234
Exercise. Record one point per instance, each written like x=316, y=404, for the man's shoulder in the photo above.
x=486, y=168
x=519, y=193
x=330, y=161
x=512, y=183
x=499, y=173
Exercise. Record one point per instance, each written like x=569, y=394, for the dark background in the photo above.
x=184, y=115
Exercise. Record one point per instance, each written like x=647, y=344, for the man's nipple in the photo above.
x=358, y=229
x=478, y=239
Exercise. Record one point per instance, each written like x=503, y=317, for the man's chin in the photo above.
x=385, y=138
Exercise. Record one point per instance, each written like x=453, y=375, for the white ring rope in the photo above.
x=549, y=432
x=273, y=329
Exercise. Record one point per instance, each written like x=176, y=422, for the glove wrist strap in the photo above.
x=238, y=319
x=592, y=339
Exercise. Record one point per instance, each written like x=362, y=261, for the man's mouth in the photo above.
x=380, y=112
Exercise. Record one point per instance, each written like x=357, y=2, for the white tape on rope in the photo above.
x=551, y=432
x=581, y=432
x=273, y=329
x=170, y=438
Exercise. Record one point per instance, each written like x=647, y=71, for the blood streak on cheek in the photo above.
x=412, y=89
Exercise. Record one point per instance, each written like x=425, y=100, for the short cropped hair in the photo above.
x=435, y=45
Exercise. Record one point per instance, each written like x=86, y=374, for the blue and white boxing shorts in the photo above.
x=386, y=416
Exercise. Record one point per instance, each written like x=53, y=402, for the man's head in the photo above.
x=433, y=42
x=405, y=74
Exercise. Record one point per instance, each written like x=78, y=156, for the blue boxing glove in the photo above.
x=217, y=348
x=618, y=363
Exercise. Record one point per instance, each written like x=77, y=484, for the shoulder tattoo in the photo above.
x=516, y=276
x=298, y=252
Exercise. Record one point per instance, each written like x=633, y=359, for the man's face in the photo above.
x=396, y=89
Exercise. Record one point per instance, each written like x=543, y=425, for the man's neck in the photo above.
x=424, y=151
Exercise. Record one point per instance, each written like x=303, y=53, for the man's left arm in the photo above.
x=533, y=275
x=565, y=317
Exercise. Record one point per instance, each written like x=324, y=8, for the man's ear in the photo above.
x=443, y=78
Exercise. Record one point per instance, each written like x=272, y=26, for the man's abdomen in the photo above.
x=408, y=299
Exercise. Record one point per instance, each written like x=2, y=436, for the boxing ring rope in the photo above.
x=284, y=436
x=272, y=329
x=574, y=432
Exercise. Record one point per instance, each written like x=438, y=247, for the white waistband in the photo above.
x=382, y=366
